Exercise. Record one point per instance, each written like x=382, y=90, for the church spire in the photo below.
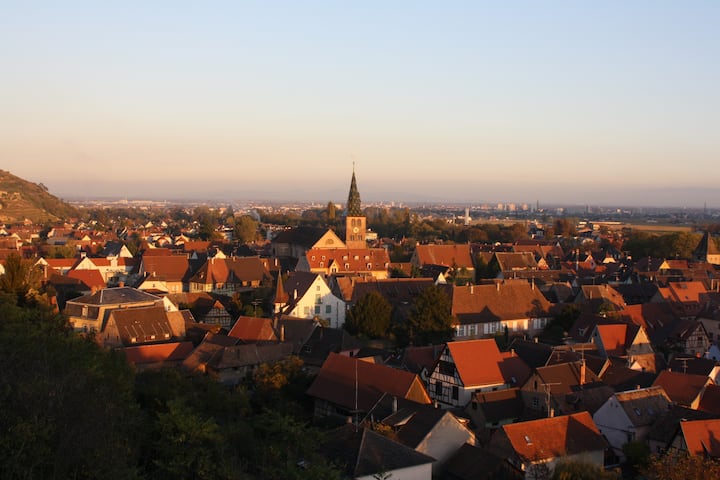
x=353, y=204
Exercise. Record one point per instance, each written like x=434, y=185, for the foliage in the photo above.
x=672, y=245
x=369, y=316
x=246, y=229
x=68, y=410
x=561, y=323
x=637, y=454
x=679, y=466
x=21, y=277
x=430, y=320
x=572, y=470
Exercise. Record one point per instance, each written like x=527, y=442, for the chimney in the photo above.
x=582, y=372
x=394, y=404
x=295, y=294
x=512, y=352
x=497, y=286
x=282, y=333
x=472, y=290
x=121, y=284
x=551, y=413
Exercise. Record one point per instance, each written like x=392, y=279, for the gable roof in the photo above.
x=348, y=259
x=492, y=303
x=613, y=337
x=114, y=296
x=702, y=437
x=253, y=329
x=92, y=279
x=169, y=268
x=643, y=406
x=682, y=388
x=238, y=356
x=710, y=400
x=144, y=324
x=160, y=352
x=446, y=255
x=477, y=362
x=555, y=437
x=363, y=452
x=351, y=383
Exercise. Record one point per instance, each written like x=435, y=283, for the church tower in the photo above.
x=355, y=222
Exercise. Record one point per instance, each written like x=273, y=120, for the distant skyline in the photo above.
x=561, y=102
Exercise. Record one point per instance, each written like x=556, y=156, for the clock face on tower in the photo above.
x=355, y=230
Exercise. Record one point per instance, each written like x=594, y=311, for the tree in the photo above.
x=680, y=466
x=370, y=316
x=246, y=229
x=20, y=277
x=430, y=320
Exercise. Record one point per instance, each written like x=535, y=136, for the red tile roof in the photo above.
x=702, y=437
x=161, y=352
x=253, y=329
x=613, y=338
x=477, y=362
x=682, y=388
x=555, y=437
x=342, y=378
x=447, y=255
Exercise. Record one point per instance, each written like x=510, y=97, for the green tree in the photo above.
x=370, y=316
x=21, y=277
x=430, y=320
x=246, y=229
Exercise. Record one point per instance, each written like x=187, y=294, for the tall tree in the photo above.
x=370, y=316
x=20, y=277
x=430, y=321
x=246, y=229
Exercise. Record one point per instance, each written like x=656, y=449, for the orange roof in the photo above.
x=253, y=329
x=613, y=338
x=555, y=437
x=477, y=362
x=702, y=437
x=91, y=278
x=682, y=388
x=348, y=382
x=508, y=301
x=160, y=352
x=687, y=291
x=447, y=255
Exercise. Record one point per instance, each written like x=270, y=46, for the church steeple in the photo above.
x=353, y=204
x=355, y=229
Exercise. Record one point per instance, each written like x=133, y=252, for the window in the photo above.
x=317, y=309
x=446, y=368
x=307, y=310
x=438, y=388
x=455, y=392
x=328, y=308
x=318, y=300
x=536, y=402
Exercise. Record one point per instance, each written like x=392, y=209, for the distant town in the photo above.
x=359, y=340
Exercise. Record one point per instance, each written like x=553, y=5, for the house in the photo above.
x=707, y=250
x=599, y=297
x=165, y=273
x=141, y=325
x=626, y=341
x=513, y=308
x=115, y=271
x=253, y=330
x=206, y=307
x=366, y=455
x=509, y=263
x=158, y=355
x=699, y=437
x=464, y=368
x=230, y=275
x=563, y=389
x=232, y=364
x=536, y=446
x=89, y=313
x=435, y=432
x=683, y=388
x=490, y=410
x=348, y=388
x=307, y=295
x=295, y=242
x=457, y=258
x=368, y=262
x=628, y=416
x=667, y=426
x=474, y=463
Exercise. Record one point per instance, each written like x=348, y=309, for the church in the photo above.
x=330, y=255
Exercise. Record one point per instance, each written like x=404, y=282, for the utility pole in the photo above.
x=547, y=387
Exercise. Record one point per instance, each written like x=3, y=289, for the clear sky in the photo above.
x=612, y=102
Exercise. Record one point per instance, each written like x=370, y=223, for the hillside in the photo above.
x=20, y=200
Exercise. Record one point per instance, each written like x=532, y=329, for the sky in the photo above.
x=601, y=103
